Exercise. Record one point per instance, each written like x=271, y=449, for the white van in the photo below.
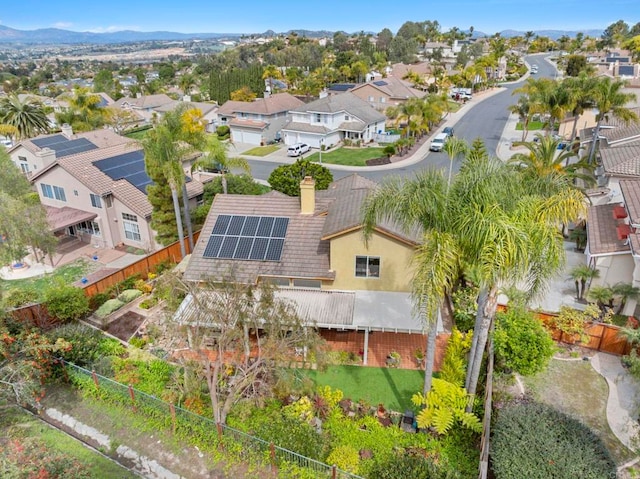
x=438, y=142
x=298, y=149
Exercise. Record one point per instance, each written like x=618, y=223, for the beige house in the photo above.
x=93, y=186
x=312, y=248
x=386, y=92
x=257, y=122
x=145, y=105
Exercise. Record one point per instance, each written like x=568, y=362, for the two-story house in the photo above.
x=257, y=122
x=144, y=106
x=385, y=92
x=93, y=186
x=332, y=119
x=312, y=248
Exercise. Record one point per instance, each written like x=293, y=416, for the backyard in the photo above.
x=575, y=388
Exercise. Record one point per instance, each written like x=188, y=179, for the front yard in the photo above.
x=348, y=156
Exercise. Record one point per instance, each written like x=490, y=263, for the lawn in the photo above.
x=533, y=125
x=391, y=387
x=138, y=134
x=68, y=273
x=261, y=150
x=348, y=156
x=17, y=424
x=575, y=388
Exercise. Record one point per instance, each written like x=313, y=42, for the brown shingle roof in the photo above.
x=277, y=103
x=394, y=87
x=601, y=231
x=622, y=160
x=145, y=102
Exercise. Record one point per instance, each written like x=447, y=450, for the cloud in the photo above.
x=113, y=28
x=62, y=25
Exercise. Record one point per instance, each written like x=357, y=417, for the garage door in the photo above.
x=246, y=136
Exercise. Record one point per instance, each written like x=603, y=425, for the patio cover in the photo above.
x=61, y=218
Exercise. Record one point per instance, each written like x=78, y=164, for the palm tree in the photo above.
x=623, y=292
x=543, y=160
x=270, y=73
x=603, y=297
x=581, y=274
x=580, y=89
x=523, y=110
x=216, y=157
x=27, y=117
x=609, y=98
x=454, y=148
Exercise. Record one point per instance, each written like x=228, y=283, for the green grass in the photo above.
x=533, y=125
x=391, y=387
x=575, y=388
x=138, y=135
x=261, y=150
x=16, y=423
x=348, y=156
x=68, y=273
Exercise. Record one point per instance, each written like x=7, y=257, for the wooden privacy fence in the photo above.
x=602, y=337
x=142, y=267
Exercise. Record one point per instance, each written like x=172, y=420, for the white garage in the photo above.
x=246, y=135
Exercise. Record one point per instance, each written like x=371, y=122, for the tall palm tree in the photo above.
x=216, y=156
x=610, y=99
x=544, y=160
x=27, y=117
x=580, y=89
x=454, y=148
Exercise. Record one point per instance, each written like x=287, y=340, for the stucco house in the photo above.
x=209, y=111
x=93, y=186
x=144, y=105
x=332, y=119
x=386, y=92
x=257, y=122
x=312, y=248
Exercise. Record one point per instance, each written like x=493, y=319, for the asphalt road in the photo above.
x=484, y=120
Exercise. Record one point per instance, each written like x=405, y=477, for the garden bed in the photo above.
x=125, y=325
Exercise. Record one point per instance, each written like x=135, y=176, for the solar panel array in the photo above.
x=63, y=146
x=380, y=83
x=254, y=238
x=128, y=166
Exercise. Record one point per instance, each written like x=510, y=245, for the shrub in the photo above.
x=403, y=464
x=108, y=307
x=453, y=368
x=85, y=343
x=148, y=303
x=465, y=306
x=345, y=457
x=17, y=297
x=65, y=302
x=290, y=433
x=142, y=286
x=521, y=342
x=98, y=300
x=129, y=295
x=542, y=442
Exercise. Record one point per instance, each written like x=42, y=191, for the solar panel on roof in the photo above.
x=213, y=246
x=128, y=166
x=380, y=83
x=258, y=238
x=49, y=140
x=63, y=146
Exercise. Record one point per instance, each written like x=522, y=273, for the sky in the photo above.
x=253, y=16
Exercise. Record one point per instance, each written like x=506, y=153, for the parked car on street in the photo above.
x=448, y=130
x=297, y=149
x=437, y=144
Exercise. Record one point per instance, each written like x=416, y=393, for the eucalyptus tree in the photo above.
x=610, y=98
x=26, y=116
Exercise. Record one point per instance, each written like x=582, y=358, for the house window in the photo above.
x=367, y=266
x=131, y=231
x=371, y=98
x=24, y=167
x=280, y=282
x=307, y=283
x=90, y=227
x=318, y=118
x=47, y=190
x=200, y=200
x=58, y=193
x=128, y=217
x=95, y=201
x=347, y=118
x=108, y=202
x=382, y=99
x=75, y=192
x=22, y=159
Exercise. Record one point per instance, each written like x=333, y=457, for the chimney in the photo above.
x=307, y=196
x=67, y=131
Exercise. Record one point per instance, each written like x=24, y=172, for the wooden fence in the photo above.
x=602, y=337
x=37, y=314
x=169, y=254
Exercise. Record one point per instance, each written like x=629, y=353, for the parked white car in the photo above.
x=298, y=149
x=437, y=144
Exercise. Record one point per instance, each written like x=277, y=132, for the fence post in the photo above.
x=334, y=472
x=219, y=428
x=95, y=379
x=173, y=416
x=133, y=398
x=274, y=467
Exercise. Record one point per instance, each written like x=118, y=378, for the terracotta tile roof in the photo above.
x=601, y=231
x=203, y=107
x=101, y=138
x=622, y=160
x=145, y=102
x=304, y=254
x=347, y=102
x=393, y=87
x=631, y=194
x=277, y=103
x=400, y=70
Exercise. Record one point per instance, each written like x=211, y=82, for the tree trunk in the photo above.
x=176, y=210
x=187, y=216
x=430, y=355
x=487, y=305
x=583, y=283
x=223, y=180
x=577, y=289
x=596, y=134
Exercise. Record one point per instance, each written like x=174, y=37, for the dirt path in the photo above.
x=156, y=455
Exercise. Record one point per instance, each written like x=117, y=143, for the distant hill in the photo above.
x=59, y=36
x=553, y=34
